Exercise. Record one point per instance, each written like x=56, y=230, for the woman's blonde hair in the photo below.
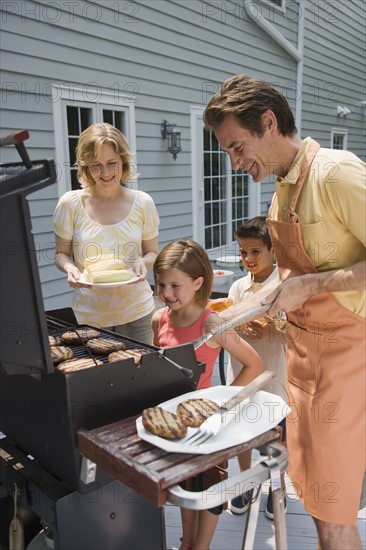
x=89, y=146
x=190, y=258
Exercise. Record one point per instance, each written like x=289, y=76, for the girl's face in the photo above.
x=106, y=170
x=256, y=258
x=177, y=289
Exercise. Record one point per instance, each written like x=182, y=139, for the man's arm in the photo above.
x=292, y=293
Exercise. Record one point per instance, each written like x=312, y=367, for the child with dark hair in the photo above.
x=257, y=256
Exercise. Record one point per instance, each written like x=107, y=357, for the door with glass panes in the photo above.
x=222, y=199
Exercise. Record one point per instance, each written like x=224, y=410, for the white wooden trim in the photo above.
x=254, y=203
x=94, y=99
x=340, y=131
x=196, y=170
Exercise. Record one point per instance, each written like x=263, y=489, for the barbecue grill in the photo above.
x=43, y=408
x=112, y=498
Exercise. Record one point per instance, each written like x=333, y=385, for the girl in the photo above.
x=183, y=281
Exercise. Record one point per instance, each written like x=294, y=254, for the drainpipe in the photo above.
x=300, y=65
x=296, y=53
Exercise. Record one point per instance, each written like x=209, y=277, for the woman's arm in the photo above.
x=146, y=262
x=65, y=262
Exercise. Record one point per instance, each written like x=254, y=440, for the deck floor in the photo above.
x=300, y=527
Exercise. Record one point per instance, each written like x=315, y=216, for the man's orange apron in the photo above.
x=325, y=384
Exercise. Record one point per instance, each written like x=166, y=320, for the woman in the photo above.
x=105, y=217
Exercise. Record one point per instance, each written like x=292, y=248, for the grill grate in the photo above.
x=57, y=328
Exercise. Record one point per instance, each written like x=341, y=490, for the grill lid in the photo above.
x=24, y=341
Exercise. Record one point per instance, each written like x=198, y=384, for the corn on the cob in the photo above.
x=104, y=263
x=110, y=276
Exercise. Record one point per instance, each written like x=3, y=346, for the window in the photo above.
x=78, y=119
x=277, y=3
x=338, y=139
x=73, y=114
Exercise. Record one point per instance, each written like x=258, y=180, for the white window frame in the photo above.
x=63, y=96
x=197, y=187
x=272, y=5
x=340, y=131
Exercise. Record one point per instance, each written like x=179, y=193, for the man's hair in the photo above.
x=256, y=228
x=247, y=98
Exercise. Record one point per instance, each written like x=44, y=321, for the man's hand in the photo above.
x=289, y=295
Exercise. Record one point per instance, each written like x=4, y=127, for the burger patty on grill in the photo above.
x=163, y=423
x=194, y=412
x=54, y=340
x=78, y=364
x=104, y=346
x=72, y=337
x=61, y=353
x=136, y=354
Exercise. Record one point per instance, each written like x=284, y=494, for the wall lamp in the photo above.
x=169, y=132
x=343, y=111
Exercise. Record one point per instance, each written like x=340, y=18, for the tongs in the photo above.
x=251, y=309
x=246, y=317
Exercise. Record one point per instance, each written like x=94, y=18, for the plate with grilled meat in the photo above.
x=254, y=416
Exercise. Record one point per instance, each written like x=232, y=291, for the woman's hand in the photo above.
x=142, y=265
x=139, y=268
x=73, y=276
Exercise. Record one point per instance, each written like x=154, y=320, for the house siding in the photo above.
x=334, y=71
x=165, y=56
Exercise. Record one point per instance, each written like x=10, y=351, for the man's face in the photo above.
x=249, y=152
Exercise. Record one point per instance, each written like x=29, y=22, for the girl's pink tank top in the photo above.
x=169, y=336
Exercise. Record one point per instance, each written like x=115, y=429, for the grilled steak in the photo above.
x=194, y=412
x=71, y=338
x=78, y=364
x=60, y=353
x=104, y=346
x=163, y=423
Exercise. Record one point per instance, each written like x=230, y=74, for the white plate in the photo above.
x=262, y=412
x=229, y=261
x=84, y=280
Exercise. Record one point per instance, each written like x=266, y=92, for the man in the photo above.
x=317, y=228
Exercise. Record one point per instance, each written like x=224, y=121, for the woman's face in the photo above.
x=107, y=169
x=177, y=289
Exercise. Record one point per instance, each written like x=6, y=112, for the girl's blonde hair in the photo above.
x=89, y=146
x=190, y=258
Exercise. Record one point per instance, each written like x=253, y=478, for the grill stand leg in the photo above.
x=218, y=494
x=278, y=503
x=252, y=519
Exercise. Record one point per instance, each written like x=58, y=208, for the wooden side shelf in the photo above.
x=146, y=469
